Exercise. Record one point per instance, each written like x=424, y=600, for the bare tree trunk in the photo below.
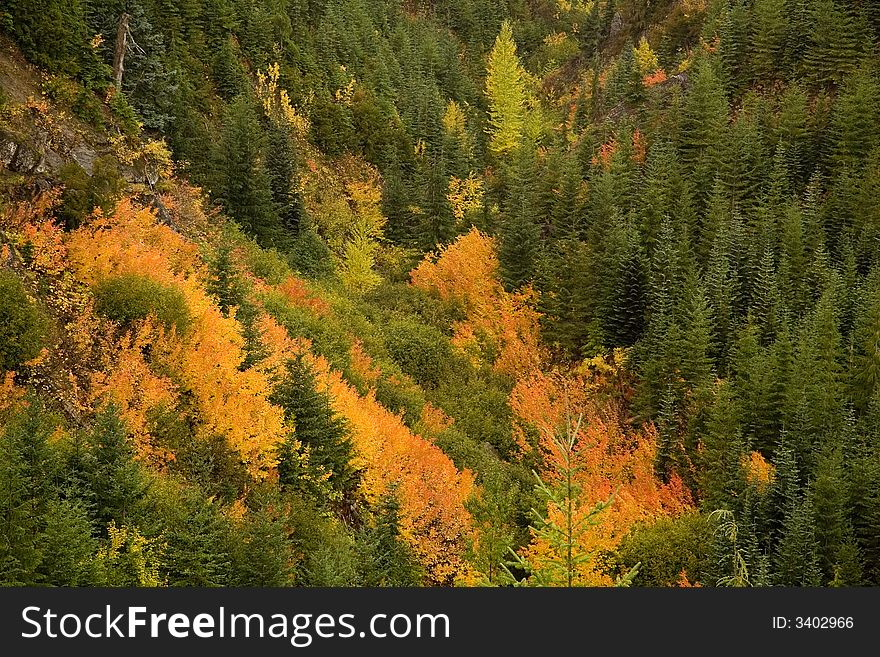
x=119, y=54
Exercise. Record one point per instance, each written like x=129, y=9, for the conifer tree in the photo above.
x=243, y=185
x=317, y=426
x=506, y=91
x=797, y=559
x=389, y=561
x=26, y=470
x=519, y=248
x=769, y=28
x=836, y=41
x=115, y=480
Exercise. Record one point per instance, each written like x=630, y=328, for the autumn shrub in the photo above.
x=328, y=337
x=422, y=351
x=409, y=300
x=129, y=297
x=23, y=325
x=267, y=264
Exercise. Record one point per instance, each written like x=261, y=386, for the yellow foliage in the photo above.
x=759, y=472
x=128, y=545
x=611, y=457
x=465, y=195
x=646, y=59
x=276, y=101
x=454, y=122
x=137, y=390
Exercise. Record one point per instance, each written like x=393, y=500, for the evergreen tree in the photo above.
x=281, y=167
x=518, y=251
x=388, y=560
x=769, y=28
x=506, y=90
x=243, y=185
x=317, y=427
x=836, y=41
x=797, y=560
x=26, y=472
x=116, y=483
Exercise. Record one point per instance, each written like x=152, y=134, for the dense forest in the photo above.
x=435, y=292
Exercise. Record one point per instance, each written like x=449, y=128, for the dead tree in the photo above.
x=121, y=46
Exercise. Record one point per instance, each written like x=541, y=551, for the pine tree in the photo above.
x=506, y=91
x=721, y=478
x=26, y=471
x=832, y=530
x=626, y=320
x=836, y=41
x=734, y=44
x=701, y=128
x=854, y=122
x=769, y=28
x=563, y=536
x=317, y=427
x=797, y=559
x=115, y=480
x=518, y=252
x=243, y=185
x=866, y=338
x=281, y=167
x=388, y=559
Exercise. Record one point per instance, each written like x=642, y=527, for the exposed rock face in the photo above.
x=84, y=156
x=7, y=151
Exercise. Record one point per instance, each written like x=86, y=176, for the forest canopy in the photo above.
x=397, y=293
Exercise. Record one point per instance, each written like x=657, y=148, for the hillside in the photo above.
x=430, y=293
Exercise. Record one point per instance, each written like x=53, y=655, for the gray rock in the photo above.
x=84, y=156
x=7, y=151
x=26, y=159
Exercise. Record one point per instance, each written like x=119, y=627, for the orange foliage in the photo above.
x=278, y=346
x=10, y=394
x=606, y=152
x=434, y=420
x=498, y=322
x=433, y=492
x=612, y=459
x=362, y=365
x=640, y=147
x=137, y=390
x=759, y=472
x=655, y=78
x=206, y=362
x=295, y=290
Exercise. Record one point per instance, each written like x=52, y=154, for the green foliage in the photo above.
x=125, y=298
x=666, y=549
x=387, y=559
x=24, y=327
x=421, y=350
x=505, y=87
x=324, y=433
x=723, y=225
x=243, y=185
x=27, y=467
x=84, y=193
